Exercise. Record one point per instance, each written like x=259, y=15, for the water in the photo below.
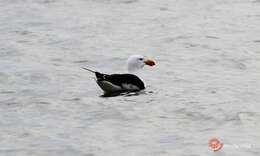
x=205, y=84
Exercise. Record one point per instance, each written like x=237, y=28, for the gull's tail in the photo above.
x=99, y=76
x=89, y=70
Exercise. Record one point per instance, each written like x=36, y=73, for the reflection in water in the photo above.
x=123, y=94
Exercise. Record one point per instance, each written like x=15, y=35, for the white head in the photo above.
x=136, y=62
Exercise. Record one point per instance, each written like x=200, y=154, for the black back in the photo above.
x=119, y=79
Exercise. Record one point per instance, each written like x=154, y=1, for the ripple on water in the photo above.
x=117, y=1
x=72, y=99
x=44, y=103
x=128, y=1
x=212, y=37
x=7, y=92
x=80, y=61
x=44, y=152
x=249, y=117
x=32, y=77
x=3, y=77
x=256, y=41
x=9, y=102
x=9, y=52
x=256, y=1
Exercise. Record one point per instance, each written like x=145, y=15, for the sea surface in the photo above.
x=206, y=83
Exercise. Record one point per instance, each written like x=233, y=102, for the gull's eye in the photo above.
x=141, y=59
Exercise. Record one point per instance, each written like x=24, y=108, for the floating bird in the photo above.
x=118, y=83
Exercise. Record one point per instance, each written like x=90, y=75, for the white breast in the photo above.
x=108, y=87
x=130, y=87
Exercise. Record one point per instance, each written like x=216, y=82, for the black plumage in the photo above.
x=120, y=79
x=118, y=82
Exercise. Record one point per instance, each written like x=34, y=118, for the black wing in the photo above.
x=120, y=79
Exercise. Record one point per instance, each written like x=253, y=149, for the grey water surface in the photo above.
x=205, y=84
